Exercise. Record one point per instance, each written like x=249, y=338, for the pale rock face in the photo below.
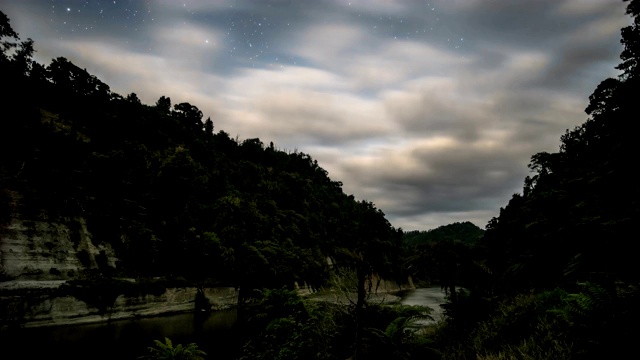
x=221, y=298
x=35, y=306
x=38, y=256
x=43, y=250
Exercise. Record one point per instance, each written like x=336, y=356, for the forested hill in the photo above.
x=170, y=194
x=466, y=232
x=442, y=255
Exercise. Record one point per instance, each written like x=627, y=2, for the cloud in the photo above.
x=430, y=110
x=299, y=106
x=148, y=75
x=440, y=173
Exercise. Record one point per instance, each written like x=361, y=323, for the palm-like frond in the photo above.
x=166, y=351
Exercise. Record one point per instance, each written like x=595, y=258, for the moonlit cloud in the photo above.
x=431, y=110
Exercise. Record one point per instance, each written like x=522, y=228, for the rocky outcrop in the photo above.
x=49, y=303
x=39, y=259
x=50, y=250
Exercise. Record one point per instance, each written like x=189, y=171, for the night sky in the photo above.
x=429, y=109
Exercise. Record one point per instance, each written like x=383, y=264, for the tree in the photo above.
x=164, y=104
x=6, y=31
x=5, y=27
x=369, y=245
x=16, y=55
x=133, y=98
x=73, y=80
x=572, y=219
x=208, y=126
x=631, y=41
x=188, y=112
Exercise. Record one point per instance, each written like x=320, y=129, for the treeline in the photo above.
x=173, y=197
x=555, y=275
x=442, y=256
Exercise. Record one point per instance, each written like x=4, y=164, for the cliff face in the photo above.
x=46, y=303
x=45, y=250
x=40, y=258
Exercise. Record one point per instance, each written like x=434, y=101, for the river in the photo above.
x=432, y=297
x=129, y=339
x=122, y=339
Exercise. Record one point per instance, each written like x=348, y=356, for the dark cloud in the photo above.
x=526, y=25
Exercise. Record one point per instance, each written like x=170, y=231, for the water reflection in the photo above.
x=432, y=297
x=123, y=339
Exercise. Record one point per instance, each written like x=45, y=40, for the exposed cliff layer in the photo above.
x=43, y=268
x=48, y=303
x=50, y=250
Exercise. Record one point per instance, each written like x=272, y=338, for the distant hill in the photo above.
x=466, y=232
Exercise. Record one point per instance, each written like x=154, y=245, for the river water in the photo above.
x=122, y=339
x=432, y=297
x=129, y=339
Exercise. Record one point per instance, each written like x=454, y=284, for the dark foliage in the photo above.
x=559, y=270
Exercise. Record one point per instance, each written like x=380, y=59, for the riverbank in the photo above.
x=46, y=303
x=52, y=303
x=351, y=298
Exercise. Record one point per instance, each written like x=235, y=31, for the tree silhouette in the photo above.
x=164, y=104
x=572, y=221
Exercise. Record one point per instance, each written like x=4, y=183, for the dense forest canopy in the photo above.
x=573, y=220
x=465, y=232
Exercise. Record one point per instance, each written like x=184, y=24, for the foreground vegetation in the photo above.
x=167, y=351
x=553, y=276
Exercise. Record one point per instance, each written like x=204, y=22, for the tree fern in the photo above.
x=166, y=351
x=591, y=302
